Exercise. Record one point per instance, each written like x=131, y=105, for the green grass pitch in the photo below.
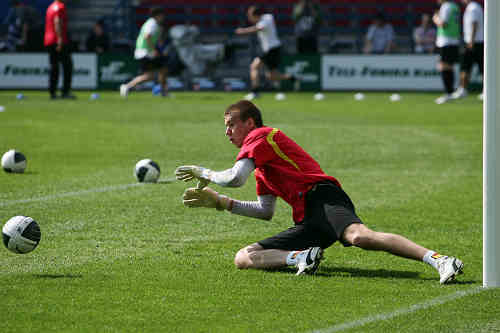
x=117, y=256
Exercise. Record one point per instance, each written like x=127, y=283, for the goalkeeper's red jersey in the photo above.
x=282, y=167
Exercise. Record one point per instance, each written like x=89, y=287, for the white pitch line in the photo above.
x=76, y=193
x=68, y=194
x=400, y=312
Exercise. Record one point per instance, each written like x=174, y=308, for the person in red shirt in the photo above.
x=323, y=213
x=57, y=43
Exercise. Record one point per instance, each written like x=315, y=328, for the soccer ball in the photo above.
x=319, y=97
x=13, y=161
x=147, y=171
x=21, y=234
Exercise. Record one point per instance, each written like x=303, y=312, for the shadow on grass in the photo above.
x=29, y=173
x=349, y=272
x=58, y=276
x=325, y=271
x=371, y=273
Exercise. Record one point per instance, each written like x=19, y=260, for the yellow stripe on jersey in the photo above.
x=277, y=150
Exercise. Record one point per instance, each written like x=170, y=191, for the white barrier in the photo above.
x=381, y=72
x=31, y=71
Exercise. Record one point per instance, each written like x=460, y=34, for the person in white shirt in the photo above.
x=473, y=29
x=424, y=36
x=379, y=36
x=265, y=28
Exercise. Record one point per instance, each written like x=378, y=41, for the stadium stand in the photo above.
x=343, y=20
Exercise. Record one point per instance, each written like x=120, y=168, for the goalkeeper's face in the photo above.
x=236, y=129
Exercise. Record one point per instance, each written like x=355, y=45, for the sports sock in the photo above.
x=431, y=258
x=293, y=257
x=448, y=77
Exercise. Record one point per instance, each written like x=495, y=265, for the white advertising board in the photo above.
x=31, y=71
x=381, y=72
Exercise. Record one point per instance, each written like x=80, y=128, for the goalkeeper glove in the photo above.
x=189, y=172
x=195, y=197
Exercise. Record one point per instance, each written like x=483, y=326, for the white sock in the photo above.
x=293, y=256
x=431, y=258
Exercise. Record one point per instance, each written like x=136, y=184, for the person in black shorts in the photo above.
x=473, y=27
x=447, y=41
x=148, y=55
x=265, y=28
x=329, y=211
x=322, y=212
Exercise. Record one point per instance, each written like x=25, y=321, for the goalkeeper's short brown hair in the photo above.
x=246, y=110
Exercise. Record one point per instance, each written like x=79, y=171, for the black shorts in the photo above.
x=272, y=58
x=151, y=64
x=329, y=211
x=449, y=54
x=471, y=57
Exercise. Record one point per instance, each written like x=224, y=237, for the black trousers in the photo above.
x=307, y=45
x=62, y=57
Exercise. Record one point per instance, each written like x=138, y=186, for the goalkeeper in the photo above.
x=322, y=211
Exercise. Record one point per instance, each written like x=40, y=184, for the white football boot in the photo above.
x=449, y=268
x=459, y=93
x=309, y=263
x=443, y=99
x=123, y=90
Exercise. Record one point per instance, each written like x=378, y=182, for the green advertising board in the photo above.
x=115, y=69
x=305, y=67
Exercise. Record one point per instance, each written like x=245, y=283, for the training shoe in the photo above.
x=123, y=90
x=449, y=268
x=459, y=93
x=443, y=99
x=309, y=263
x=68, y=96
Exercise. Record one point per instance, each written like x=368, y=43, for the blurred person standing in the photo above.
x=25, y=29
x=473, y=28
x=57, y=43
x=98, y=40
x=379, y=37
x=447, y=41
x=265, y=28
x=307, y=17
x=424, y=36
x=148, y=54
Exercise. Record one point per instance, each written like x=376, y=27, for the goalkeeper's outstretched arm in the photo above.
x=234, y=177
x=263, y=208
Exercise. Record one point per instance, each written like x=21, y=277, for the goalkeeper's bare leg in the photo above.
x=255, y=256
x=361, y=236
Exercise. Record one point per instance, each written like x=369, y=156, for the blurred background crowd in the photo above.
x=305, y=26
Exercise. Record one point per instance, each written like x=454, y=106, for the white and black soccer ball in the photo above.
x=147, y=171
x=14, y=161
x=21, y=234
